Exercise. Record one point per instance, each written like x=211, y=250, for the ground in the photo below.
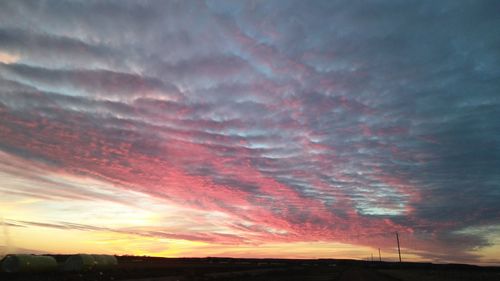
x=224, y=269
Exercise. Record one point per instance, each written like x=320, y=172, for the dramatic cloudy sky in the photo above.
x=251, y=128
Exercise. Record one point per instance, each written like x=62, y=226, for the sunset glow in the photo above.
x=8, y=58
x=290, y=129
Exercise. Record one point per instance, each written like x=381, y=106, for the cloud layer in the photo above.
x=298, y=121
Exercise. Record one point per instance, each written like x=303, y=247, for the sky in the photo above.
x=289, y=129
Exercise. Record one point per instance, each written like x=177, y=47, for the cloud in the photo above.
x=157, y=233
x=8, y=58
x=105, y=83
x=300, y=122
x=49, y=50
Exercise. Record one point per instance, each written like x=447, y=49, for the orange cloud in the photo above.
x=8, y=58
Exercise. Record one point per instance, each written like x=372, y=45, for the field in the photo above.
x=225, y=269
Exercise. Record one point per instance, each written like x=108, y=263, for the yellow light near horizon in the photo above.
x=490, y=254
x=75, y=241
x=66, y=241
x=47, y=240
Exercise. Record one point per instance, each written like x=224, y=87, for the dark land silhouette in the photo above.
x=225, y=269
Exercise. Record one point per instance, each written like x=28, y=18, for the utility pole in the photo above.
x=399, y=249
x=379, y=256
